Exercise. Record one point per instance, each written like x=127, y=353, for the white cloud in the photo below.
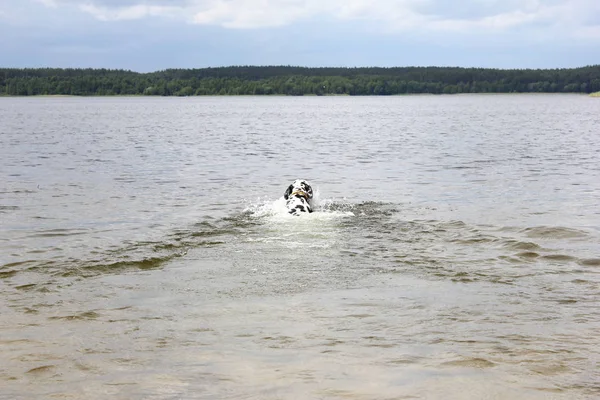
x=588, y=32
x=48, y=3
x=497, y=22
x=129, y=12
x=468, y=16
x=253, y=13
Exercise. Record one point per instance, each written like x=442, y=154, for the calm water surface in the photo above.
x=454, y=254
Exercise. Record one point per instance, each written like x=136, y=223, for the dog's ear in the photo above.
x=287, y=193
x=307, y=188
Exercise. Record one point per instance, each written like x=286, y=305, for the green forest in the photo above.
x=296, y=81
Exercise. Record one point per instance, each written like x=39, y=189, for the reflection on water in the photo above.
x=454, y=253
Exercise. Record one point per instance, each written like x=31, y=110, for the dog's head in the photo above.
x=300, y=188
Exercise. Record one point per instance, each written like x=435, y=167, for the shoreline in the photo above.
x=596, y=94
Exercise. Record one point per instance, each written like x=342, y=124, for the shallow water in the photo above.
x=455, y=252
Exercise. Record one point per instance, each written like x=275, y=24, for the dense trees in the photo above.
x=287, y=80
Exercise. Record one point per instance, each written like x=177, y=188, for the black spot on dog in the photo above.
x=287, y=193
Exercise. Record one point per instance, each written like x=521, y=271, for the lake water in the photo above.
x=454, y=252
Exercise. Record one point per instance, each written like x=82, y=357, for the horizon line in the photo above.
x=305, y=67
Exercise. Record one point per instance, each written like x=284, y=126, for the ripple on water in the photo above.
x=590, y=262
x=561, y=258
x=8, y=274
x=528, y=254
x=57, y=233
x=42, y=370
x=469, y=363
x=554, y=232
x=87, y=315
x=513, y=244
x=4, y=209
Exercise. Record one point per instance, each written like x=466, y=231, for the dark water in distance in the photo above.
x=455, y=251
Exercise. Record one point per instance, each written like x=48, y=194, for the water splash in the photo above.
x=324, y=209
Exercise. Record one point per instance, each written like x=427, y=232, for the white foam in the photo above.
x=277, y=211
x=317, y=230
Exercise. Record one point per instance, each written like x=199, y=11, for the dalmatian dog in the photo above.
x=298, y=197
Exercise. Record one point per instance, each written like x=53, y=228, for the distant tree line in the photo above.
x=296, y=81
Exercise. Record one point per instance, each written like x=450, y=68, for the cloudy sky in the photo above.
x=149, y=35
